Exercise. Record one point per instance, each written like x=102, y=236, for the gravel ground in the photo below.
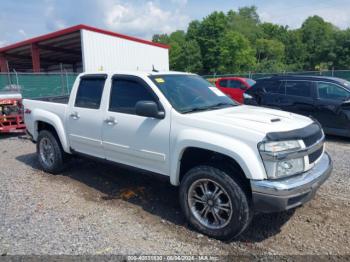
x=94, y=208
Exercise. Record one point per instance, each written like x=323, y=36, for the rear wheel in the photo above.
x=214, y=203
x=50, y=153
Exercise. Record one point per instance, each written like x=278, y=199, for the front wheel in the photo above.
x=214, y=203
x=50, y=153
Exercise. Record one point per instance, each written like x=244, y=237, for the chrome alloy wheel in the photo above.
x=47, y=153
x=210, y=204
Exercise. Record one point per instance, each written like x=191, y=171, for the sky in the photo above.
x=22, y=19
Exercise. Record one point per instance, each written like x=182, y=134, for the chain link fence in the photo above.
x=35, y=85
x=39, y=84
x=345, y=74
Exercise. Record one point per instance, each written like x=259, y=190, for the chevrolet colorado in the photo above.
x=229, y=160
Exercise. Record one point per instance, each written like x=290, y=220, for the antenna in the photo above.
x=154, y=70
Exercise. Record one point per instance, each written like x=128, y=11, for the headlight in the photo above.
x=279, y=146
x=275, y=164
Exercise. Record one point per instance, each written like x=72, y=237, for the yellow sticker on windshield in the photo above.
x=159, y=80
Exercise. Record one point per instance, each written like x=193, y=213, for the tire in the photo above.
x=233, y=198
x=49, y=152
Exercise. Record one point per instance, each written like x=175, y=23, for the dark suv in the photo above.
x=325, y=98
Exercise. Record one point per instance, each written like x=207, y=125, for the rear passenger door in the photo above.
x=85, y=116
x=236, y=89
x=223, y=85
x=299, y=98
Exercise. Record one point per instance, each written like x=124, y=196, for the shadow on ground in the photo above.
x=153, y=194
x=12, y=135
x=338, y=139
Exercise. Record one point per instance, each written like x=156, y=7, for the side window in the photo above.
x=235, y=84
x=223, y=83
x=126, y=93
x=331, y=91
x=273, y=87
x=89, y=93
x=299, y=88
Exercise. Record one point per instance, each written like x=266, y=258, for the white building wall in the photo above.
x=108, y=53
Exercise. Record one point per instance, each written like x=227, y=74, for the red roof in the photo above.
x=75, y=29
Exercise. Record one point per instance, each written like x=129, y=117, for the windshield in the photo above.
x=250, y=82
x=347, y=84
x=189, y=93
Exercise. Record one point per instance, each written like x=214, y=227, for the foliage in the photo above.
x=236, y=54
x=238, y=41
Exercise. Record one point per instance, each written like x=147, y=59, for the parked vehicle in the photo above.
x=326, y=99
x=229, y=160
x=234, y=87
x=11, y=115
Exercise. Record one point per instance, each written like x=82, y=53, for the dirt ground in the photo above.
x=94, y=208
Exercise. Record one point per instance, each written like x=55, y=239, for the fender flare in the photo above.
x=245, y=156
x=53, y=120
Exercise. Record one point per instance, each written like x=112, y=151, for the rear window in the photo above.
x=224, y=83
x=299, y=88
x=89, y=92
x=271, y=86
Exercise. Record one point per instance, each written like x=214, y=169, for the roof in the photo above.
x=336, y=80
x=76, y=29
x=136, y=73
x=302, y=77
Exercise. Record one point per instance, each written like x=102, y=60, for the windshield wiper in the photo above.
x=204, y=108
x=196, y=109
x=221, y=104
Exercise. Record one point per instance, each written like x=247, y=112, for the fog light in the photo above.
x=284, y=168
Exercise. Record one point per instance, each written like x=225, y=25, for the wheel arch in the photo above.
x=239, y=154
x=194, y=156
x=54, y=124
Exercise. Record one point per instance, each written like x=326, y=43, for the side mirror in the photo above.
x=149, y=109
x=346, y=103
x=243, y=87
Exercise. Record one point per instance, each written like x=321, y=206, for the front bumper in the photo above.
x=286, y=193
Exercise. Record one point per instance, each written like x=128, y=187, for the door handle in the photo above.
x=111, y=121
x=74, y=115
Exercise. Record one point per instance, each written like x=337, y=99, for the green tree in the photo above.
x=246, y=22
x=238, y=41
x=318, y=37
x=193, y=30
x=161, y=38
x=192, y=57
x=211, y=30
x=184, y=55
x=295, y=51
x=270, y=55
x=269, y=50
x=342, y=49
x=272, y=31
x=236, y=54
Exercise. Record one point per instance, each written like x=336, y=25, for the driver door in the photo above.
x=131, y=139
x=329, y=104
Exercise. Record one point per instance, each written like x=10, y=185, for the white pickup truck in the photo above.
x=230, y=160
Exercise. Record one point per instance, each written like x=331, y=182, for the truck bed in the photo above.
x=48, y=107
x=54, y=99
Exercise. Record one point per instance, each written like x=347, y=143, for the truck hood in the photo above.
x=257, y=119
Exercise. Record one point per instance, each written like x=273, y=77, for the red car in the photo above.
x=234, y=87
